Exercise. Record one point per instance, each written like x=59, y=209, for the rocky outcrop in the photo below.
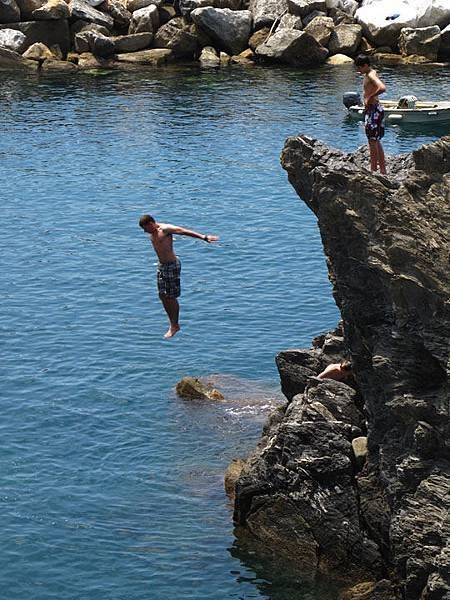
x=304, y=488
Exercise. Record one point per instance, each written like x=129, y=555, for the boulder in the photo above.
x=290, y=22
x=80, y=9
x=175, y=35
x=433, y=12
x=422, y=41
x=209, y=57
x=116, y=10
x=345, y=39
x=132, y=43
x=225, y=59
x=52, y=10
x=258, y=38
x=444, y=50
x=166, y=13
x=292, y=47
x=320, y=29
x=27, y=7
x=312, y=15
x=339, y=17
x=187, y=6
x=94, y=42
x=50, y=33
x=266, y=12
x=154, y=57
x=192, y=388
x=144, y=20
x=339, y=59
x=60, y=66
x=348, y=7
x=11, y=39
x=245, y=58
x=9, y=11
x=378, y=27
x=134, y=5
x=80, y=26
x=38, y=52
x=87, y=61
x=229, y=29
x=302, y=8
x=12, y=60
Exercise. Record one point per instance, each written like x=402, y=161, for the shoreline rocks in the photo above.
x=355, y=480
x=300, y=33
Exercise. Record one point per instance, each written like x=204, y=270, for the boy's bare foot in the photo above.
x=173, y=329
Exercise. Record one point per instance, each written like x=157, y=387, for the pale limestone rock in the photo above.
x=11, y=39
x=339, y=59
x=209, y=57
x=154, y=57
x=38, y=51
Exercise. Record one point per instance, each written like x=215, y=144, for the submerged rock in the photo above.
x=193, y=388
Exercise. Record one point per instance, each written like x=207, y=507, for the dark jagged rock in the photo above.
x=386, y=244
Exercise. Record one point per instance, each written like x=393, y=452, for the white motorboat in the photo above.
x=406, y=110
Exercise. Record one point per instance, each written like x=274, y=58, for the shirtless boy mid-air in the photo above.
x=373, y=113
x=169, y=266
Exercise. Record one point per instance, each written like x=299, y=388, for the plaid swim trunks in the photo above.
x=168, y=276
x=374, y=122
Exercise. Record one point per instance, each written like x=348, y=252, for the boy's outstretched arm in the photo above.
x=174, y=229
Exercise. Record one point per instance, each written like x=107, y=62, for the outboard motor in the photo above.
x=351, y=99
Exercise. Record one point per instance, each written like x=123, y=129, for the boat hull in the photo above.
x=433, y=114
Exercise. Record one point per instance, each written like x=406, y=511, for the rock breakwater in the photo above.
x=384, y=524
x=71, y=35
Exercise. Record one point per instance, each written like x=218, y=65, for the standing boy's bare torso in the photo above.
x=369, y=87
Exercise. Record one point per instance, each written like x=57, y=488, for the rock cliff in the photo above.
x=303, y=492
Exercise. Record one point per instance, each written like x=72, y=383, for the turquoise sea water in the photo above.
x=111, y=486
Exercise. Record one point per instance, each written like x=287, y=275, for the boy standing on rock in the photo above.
x=373, y=113
x=169, y=266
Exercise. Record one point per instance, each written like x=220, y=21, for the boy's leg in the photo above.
x=373, y=148
x=172, y=309
x=381, y=159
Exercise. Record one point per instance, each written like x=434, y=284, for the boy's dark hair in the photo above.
x=362, y=59
x=346, y=365
x=145, y=220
